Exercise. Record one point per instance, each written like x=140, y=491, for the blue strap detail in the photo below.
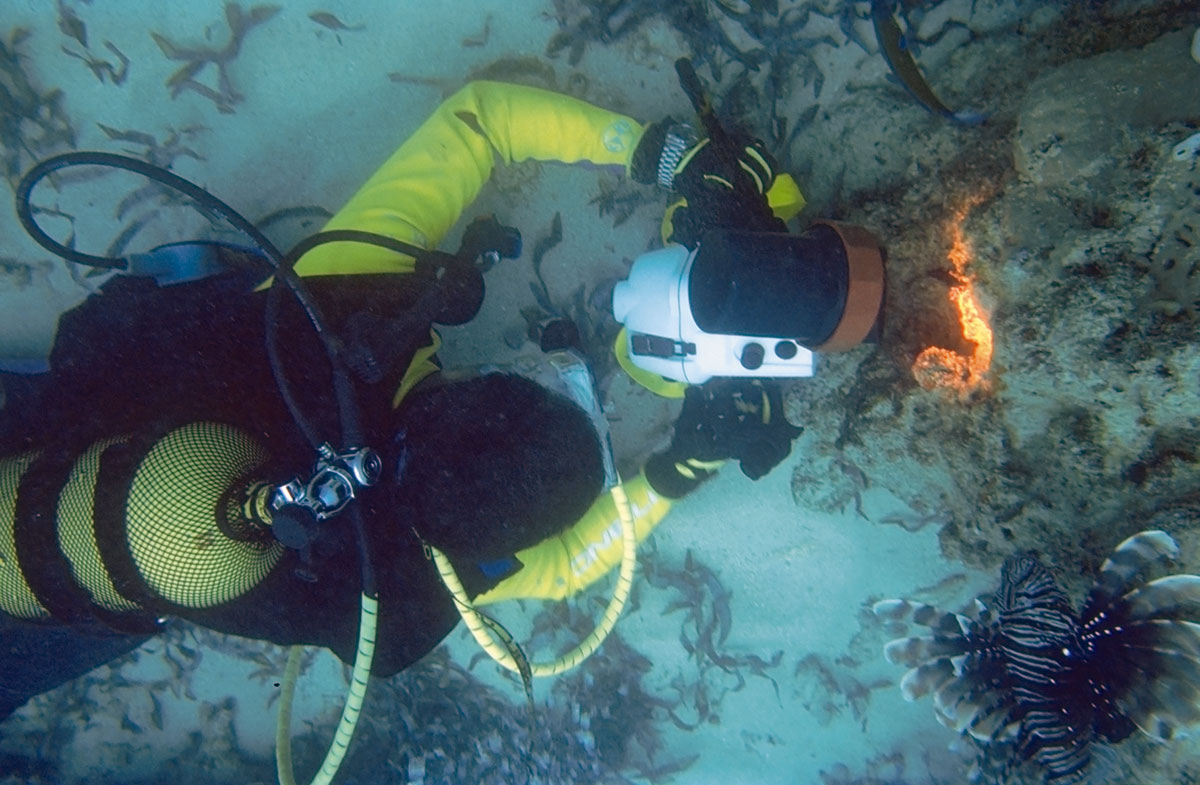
x=501, y=568
x=24, y=366
x=181, y=262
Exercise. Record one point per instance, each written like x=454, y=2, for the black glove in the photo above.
x=704, y=170
x=486, y=241
x=738, y=419
x=669, y=154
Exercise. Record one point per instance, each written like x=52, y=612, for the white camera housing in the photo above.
x=748, y=303
x=663, y=337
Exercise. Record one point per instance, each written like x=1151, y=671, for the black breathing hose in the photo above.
x=351, y=422
x=207, y=202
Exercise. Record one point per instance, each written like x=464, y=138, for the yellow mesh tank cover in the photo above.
x=185, y=529
x=16, y=598
x=77, y=532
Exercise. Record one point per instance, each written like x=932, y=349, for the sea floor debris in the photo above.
x=437, y=723
x=33, y=122
x=196, y=59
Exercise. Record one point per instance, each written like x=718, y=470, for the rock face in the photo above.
x=1082, y=119
x=1084, y=252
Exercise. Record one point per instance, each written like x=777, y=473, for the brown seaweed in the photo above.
x=104, y=69
x=541, y=292
x=33, y=122
x=773, y=50
x=423, y=81
x=523, y=69
x=620, y=199
x=150, y=195
x=708, y=620
x=480, y=38
x=71, y=25
x=608, y=23
x=161, y=154
x=585, y=308
x=196, y=59
x=436, y=723
x=164, y=153
x=836, y=689
x=136, y=137
x=326, y=19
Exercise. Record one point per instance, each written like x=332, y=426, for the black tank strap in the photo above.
x=118, y=466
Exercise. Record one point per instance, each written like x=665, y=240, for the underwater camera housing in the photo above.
x=751, y=303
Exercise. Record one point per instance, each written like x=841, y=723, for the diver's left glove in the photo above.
x=671, y=155
x=723, y=419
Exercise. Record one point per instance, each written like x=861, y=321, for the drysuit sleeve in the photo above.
x=420, y=192
x=566, y=563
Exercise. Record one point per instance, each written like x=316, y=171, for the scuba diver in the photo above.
x=157, y=468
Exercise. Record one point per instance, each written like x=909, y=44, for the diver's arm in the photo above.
x=738, y=419
x=419, y=193
x=566, y=563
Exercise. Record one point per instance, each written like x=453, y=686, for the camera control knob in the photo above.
x=752, y=356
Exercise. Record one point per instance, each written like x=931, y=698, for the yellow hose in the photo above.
x=479, y=629
x=483, y=633
x=368, y=622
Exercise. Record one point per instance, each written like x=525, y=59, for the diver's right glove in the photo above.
x=723, y=419
x=486, y=241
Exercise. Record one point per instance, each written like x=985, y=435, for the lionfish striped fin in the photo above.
x=1163, y=598
x=1156, y=635
x=1164, y=665
x=1161, y=708
x=962, y=701
x=936, y=619
x=1174, y=679
x=1180, y=700
x=926, y=678
x=1134, y=555
x=952, y=698
x=993, y=721
x=917, y=649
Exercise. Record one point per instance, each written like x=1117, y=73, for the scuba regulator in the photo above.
x=298, y=506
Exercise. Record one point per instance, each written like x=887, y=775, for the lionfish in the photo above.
x=1028, y=678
